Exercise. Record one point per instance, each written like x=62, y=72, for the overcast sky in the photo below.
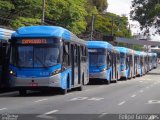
x=121, y=7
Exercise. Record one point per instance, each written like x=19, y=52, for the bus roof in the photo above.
x=5, y=34
x=99, y=44
x=123, y=49
x=45, y=31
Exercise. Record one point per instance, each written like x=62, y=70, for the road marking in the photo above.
x=3, y=108
x=140, y=81
x=96, y=99
x=147, y=87
x=78, y=98
x=154, y=102
x=133, y=96
x=122, y=103
x=102, y=115
x=51, y=112
x=69, y=94
x=40, y=100
x=141, y=91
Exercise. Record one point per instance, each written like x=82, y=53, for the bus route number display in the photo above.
x=34, y=41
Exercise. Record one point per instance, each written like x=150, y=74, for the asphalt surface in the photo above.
x=136, y=96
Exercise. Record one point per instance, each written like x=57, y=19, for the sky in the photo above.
x=121, y=7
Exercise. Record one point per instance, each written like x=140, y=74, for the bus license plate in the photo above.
x=34, y=84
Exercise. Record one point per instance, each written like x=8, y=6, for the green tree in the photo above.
x=107, y=23
x=147, y=13
x=67, y=13
x=101, y=5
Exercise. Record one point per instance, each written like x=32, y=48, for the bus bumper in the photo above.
x=123, y=73
x=53, y=81
x=99, y=75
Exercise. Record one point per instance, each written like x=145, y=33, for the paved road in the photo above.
x=140, y=95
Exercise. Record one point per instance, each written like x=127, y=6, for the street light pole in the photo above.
x=112, y=26
x=92, y=27
x=43, y=12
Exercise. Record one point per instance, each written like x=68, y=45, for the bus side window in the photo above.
x=127, y=61
x=109, y=59
x=76, y=55
x=66, y=58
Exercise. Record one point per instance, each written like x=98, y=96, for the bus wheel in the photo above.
x=63, y=91
x=80, y=88
x=108, y=82
x=22, y=92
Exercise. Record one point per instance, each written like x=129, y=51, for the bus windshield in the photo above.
x=35, y=56
x=97, y=58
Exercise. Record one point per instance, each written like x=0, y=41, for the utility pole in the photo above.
x=92, y=27
x=43, y=12
x=112, y=32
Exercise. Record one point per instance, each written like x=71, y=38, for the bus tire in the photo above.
x=80, y=88
x=63, y=91
x=22, y=92
x=115, y=81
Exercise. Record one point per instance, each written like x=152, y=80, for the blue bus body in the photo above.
x=139, y=63
x=102, y=65
x=47, y=57
x=126, y=62
x=150, y=65
x=5, y=35
x=154, y=60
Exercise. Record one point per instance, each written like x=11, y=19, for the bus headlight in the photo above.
x=56, y=72
x=104, y=69
x=12, y=73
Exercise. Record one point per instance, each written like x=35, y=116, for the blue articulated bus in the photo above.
x=47, y=57
x=5, y=35
x=150, y=56
x=145, y=62
x=103, y=61
x=154, y=60
x=139, y=63
x=126, y=62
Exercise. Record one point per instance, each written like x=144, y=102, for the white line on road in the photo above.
x=140, y=81
x=3, y=108
x=40, y=100
x=147, y=87
x=141, y=91
x=102, y=115
x=69, y=94
x=51, y=112
x=122, y=103
x=133, y=96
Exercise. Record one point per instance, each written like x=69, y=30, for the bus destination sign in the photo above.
x=33, y=41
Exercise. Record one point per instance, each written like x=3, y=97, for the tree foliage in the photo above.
x=147, y=13
x=101, y=5
x=75, y=15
